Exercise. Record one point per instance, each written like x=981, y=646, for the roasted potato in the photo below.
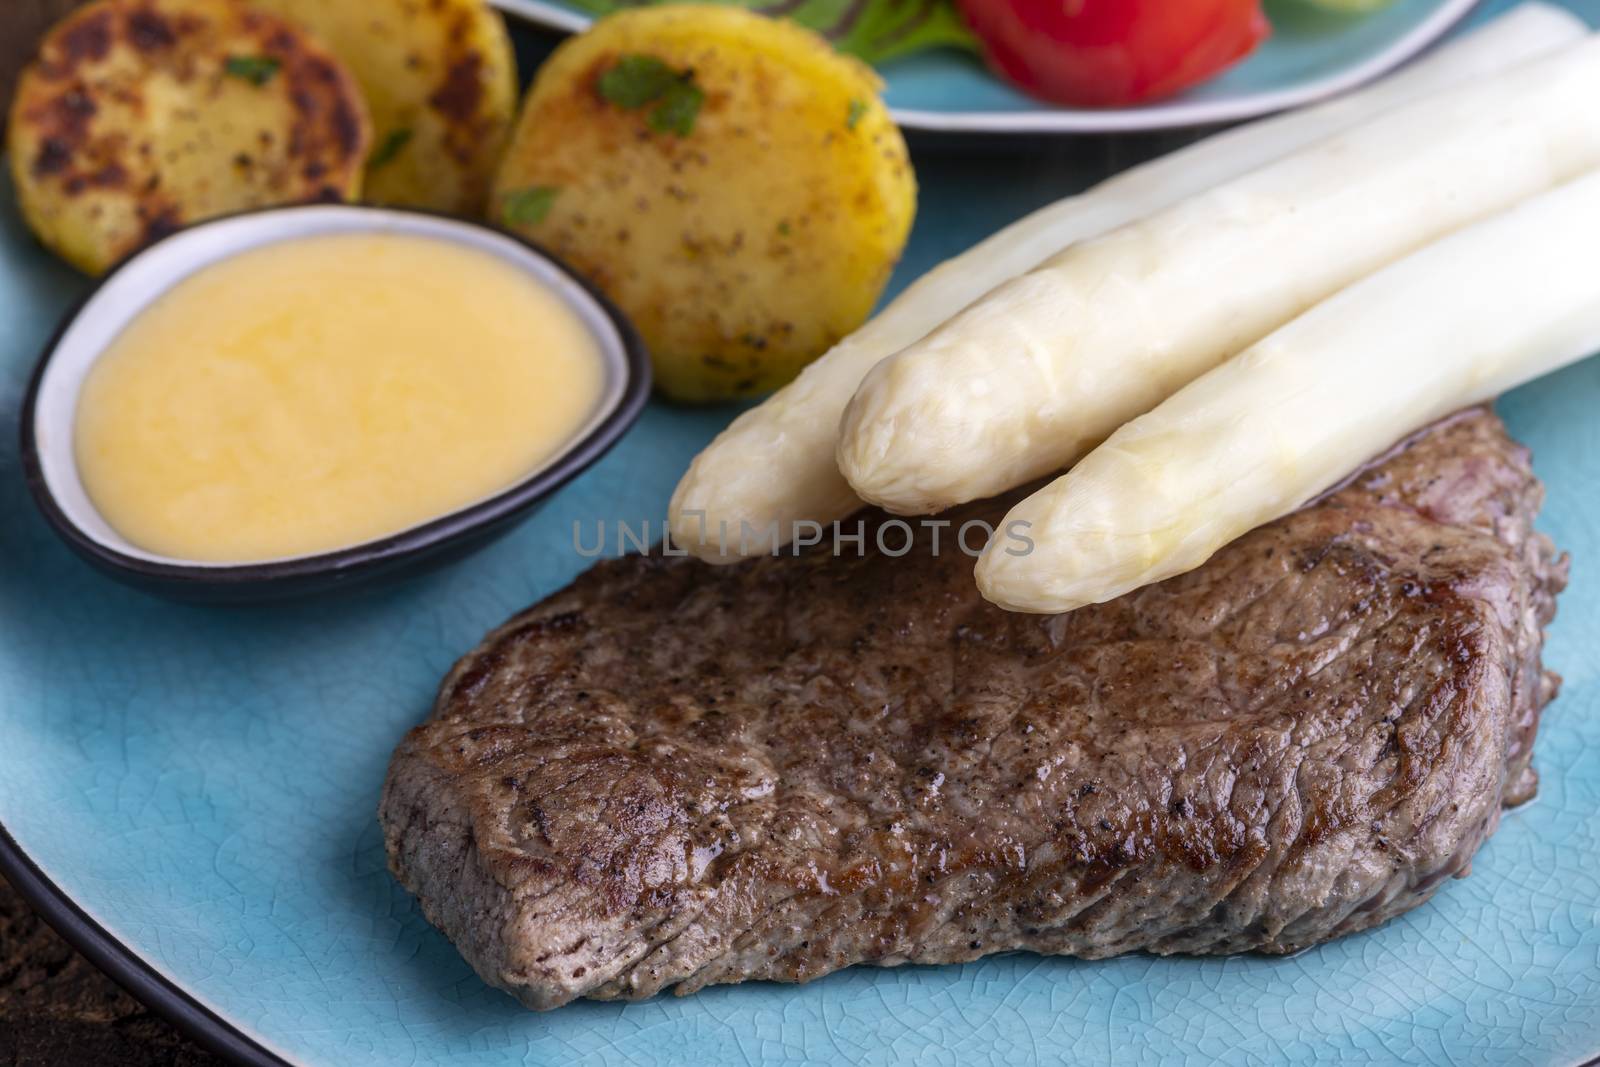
x=441, y=84
x=734, y=184
x=141, y=115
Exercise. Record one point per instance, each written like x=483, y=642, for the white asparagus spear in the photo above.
x=775, y=464
x=1039, y=371
x=1464, y=319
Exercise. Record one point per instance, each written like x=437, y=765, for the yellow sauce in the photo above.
x=317, y=393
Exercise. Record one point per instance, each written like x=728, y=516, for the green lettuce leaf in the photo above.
x=873, y=30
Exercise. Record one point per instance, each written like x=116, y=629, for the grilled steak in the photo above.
x=673, y=775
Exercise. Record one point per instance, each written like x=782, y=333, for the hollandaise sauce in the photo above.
x=321, y=392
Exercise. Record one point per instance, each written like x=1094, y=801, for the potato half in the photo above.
x=734, y=184
x=141, y=115
x=441, y=83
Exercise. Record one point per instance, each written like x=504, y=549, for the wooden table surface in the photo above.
x=57, y=1010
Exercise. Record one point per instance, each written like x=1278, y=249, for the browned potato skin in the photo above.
x=22, y=24
x=439, y=76
x=745, y=249
x=127, y=125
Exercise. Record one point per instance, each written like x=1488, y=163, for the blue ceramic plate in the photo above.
x=1311, y=54
x=191, y=792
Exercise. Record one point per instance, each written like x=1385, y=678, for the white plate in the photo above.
x=1310, y=55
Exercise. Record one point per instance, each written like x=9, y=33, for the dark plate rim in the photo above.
x=125, y=966
x=262, y=579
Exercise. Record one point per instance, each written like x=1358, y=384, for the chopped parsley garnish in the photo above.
x=858, y=108
x=678, y=108
x=391, y=146
x=637, y=81
x=528, y=207
x=257, y=70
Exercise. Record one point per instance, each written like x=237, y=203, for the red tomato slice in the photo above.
x=1105, y=53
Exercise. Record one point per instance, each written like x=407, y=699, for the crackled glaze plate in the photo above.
x=1311, y=54
x=190, y=794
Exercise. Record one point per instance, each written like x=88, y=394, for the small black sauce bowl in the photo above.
x=50, y=408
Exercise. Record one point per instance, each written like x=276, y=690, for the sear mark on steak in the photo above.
x=673, y=775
